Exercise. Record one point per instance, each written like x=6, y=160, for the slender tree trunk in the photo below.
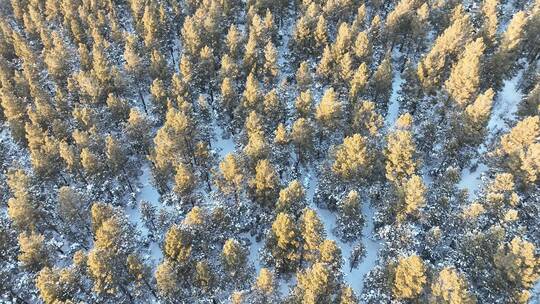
x=126, y=292
x=142, y=101
x=151, y=289
x=172, y=55
x=82, y=176
x=127, y=179
x=63, y=178
x=16, y=296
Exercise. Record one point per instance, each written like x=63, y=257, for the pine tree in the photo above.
x=159, y=97
x=273, y=109
x=167, y=282
x=400, y=152
x=251, y=96
x=519, y=148
x=491, y=22
x=90, y=163
x=343, y=42
x=34, y=253
x=304, y=104
x=313, y=234
x=232, y=177
x=321, y=34
x=325, y=68
x=265, y=183
x=477, y=117
x=291, y=199
x=204, y=276
x=252, y=54
x=358, y=82
x=228, y=96
x=500, y=193
x=283, y=242
x=136, y=131
x=22, y=208
x=430, y=68
x=132, y=54
x=101, y=64
x=57, y=59
x=517, y=263
x=530, y=104
x=302, y=138
x=253, y=124
x=256, y=148
x=362, y=47
x=381, y=82
x=234, y=259
x=303, y=77
x=509, y=47
x=116, y=156
x=345, y=68
x=56, y=285
x=348, y=296
x=351, y=160
x=330, y=254
x=316, y=284
x=160, y=70
x=177, y=246
x=409, y=278
x=265, y=285
x=234, y=41
x=270, y=63
x=464, y=80
x=14, y=109
x=139, y=273
x=174, y=141
x=118, y=107
x=206, y=68
x=450, y=287
x=350, y=218
x=413, y=197
x=365, y=119
x=191, y=36
x=281, y=137
x=420, y=27
x=73, y=208
x=302, y=44
x=398, y=21
x=229, y=68
x=184, y=183
x=328, y=112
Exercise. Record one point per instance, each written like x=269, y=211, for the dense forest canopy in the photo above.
x=270, y=151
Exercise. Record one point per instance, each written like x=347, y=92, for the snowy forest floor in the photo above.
x=503, y=111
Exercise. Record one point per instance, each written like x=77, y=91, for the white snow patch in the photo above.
x=221, y=145
x=393, y=107
x=536, y=293
x=472, y=180
x=502, y=113
x=505, y=106
x=254, y=253
x=147, y=193
x=354, y=277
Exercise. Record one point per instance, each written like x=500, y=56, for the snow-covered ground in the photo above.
x=505, y=106
x=536, y=293
x=222, y=146
x=354, y=277
x=148, y=193
x=393, y=107
x=502, y=113
x=471, y=180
